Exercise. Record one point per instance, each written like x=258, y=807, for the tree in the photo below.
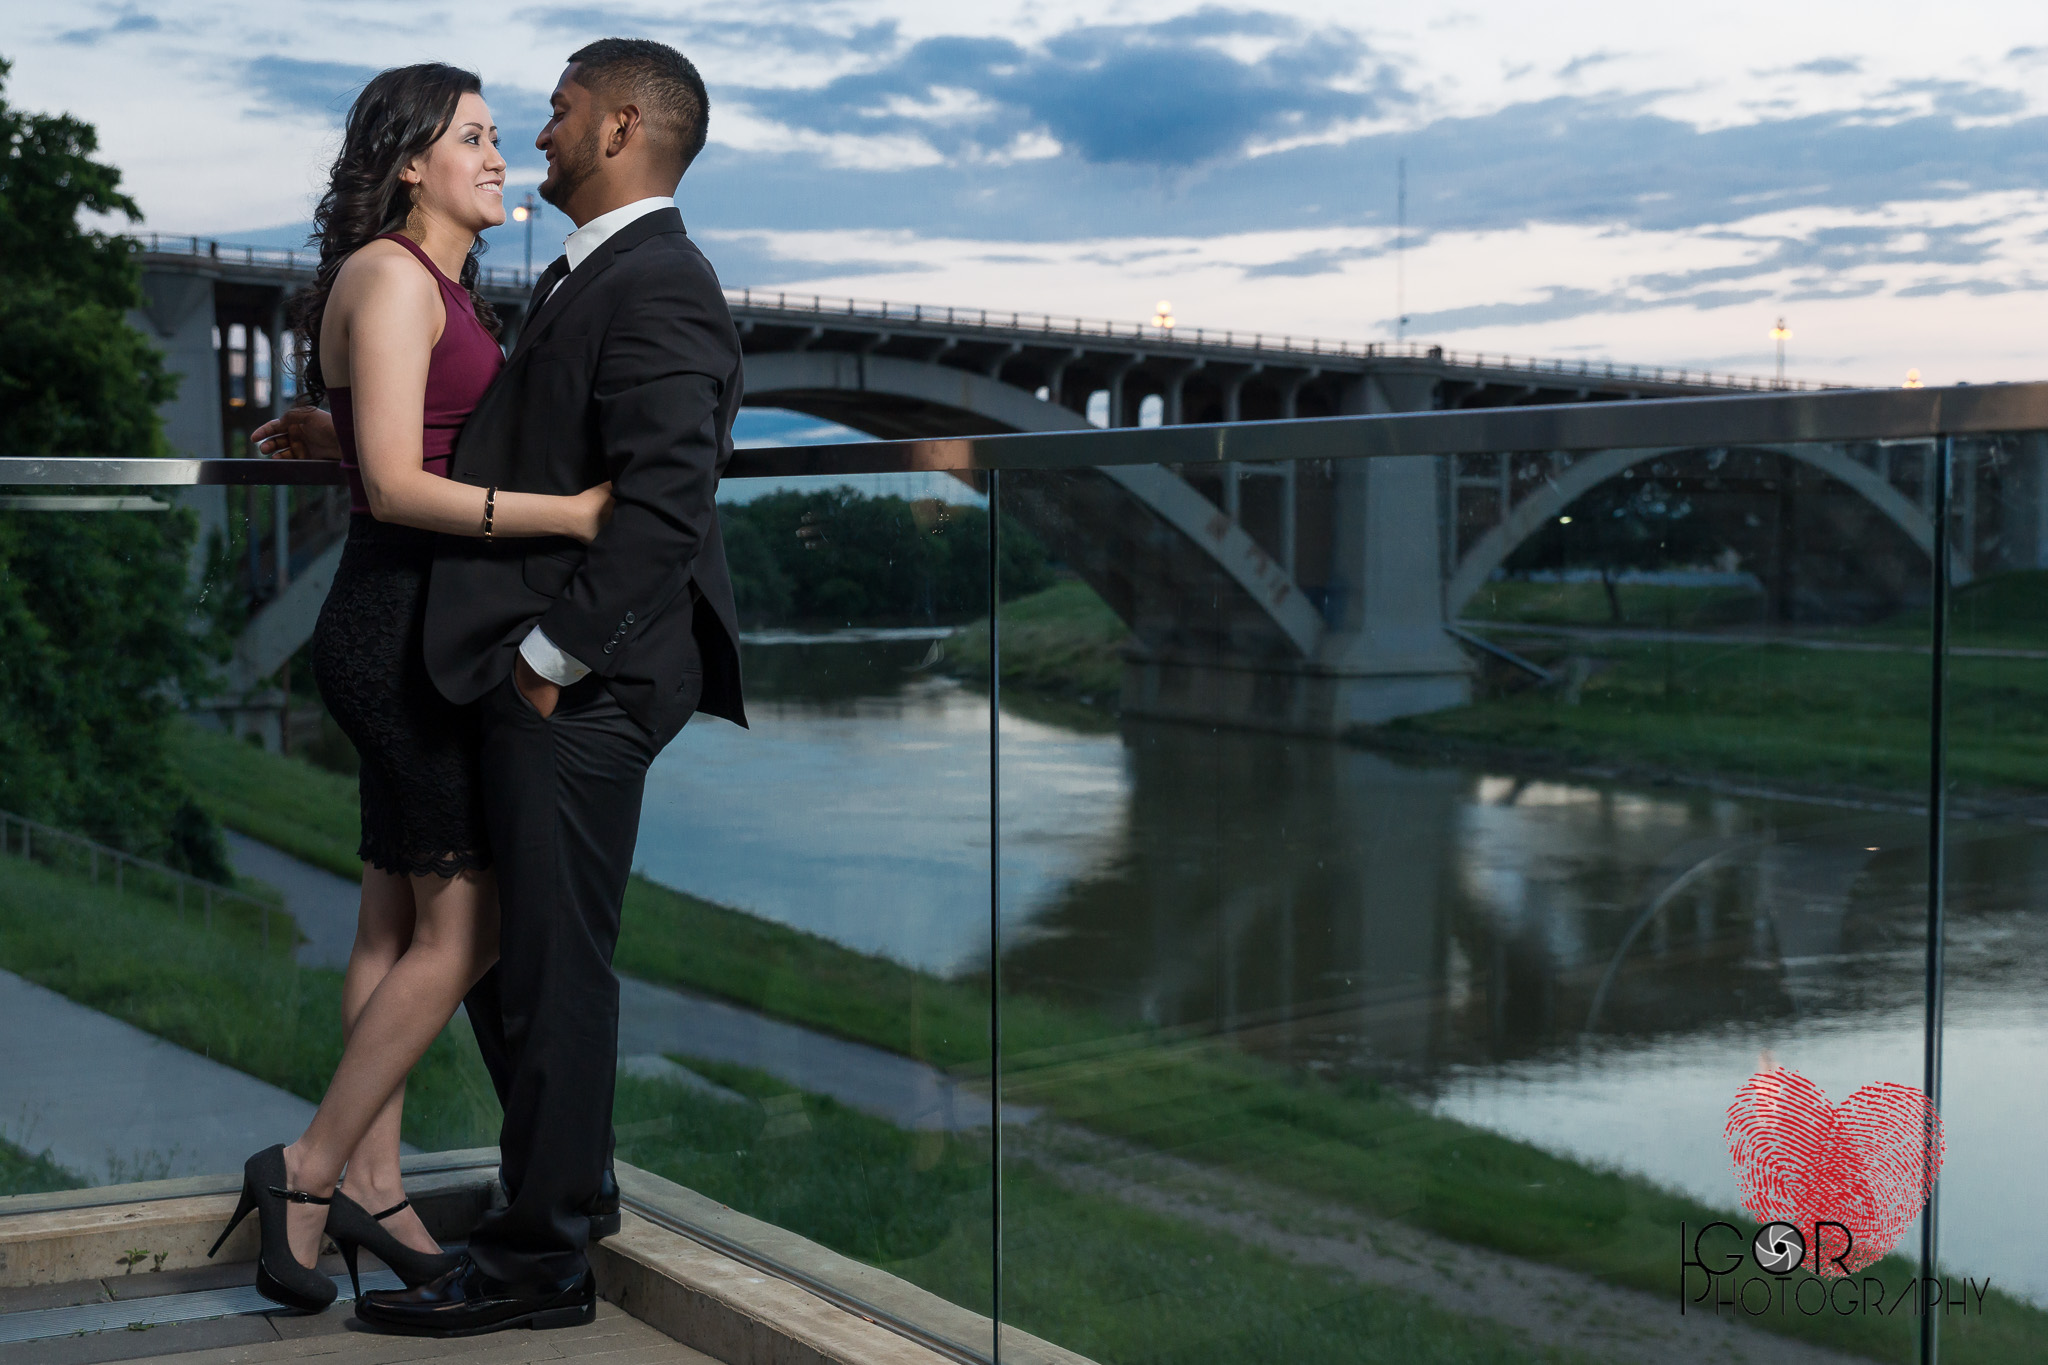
x=96, y=616
x=1621, y=525
x=841, y=557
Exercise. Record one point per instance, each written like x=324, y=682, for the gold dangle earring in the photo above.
x=415, y=221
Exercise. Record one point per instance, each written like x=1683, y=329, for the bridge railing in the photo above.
x=1177, y=337
x=1010, y=322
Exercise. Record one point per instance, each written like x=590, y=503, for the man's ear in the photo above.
x=625, y=126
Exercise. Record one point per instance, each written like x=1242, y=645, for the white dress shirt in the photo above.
x=543, y=655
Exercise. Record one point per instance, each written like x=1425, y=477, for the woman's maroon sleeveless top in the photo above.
x=463, y=363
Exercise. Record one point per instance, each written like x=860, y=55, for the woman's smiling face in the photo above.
x=461, y=178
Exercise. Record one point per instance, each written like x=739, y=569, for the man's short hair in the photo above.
x=674, y=107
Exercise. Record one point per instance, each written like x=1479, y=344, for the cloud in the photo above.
x=1586, y=62
x=751, y=260
x=1172, y=94
x=1324, y=261
x=1928, y=289
x=126, y=21
x=325, y=90
x=1829, y=66
x=1603, y=160
x=1559, y=303
x=320, y=88
x=1964, y=99
x=755, y=35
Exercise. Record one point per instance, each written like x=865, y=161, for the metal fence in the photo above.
x=22, y=837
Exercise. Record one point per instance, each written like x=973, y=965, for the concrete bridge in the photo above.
x=1320, y=589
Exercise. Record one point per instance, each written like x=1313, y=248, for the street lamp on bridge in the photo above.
x=524, y=213
x=1781, y=334
x=1162, y=317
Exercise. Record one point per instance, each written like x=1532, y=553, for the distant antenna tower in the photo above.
x=1401, y=251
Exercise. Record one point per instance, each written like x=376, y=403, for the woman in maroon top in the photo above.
x=393, y=335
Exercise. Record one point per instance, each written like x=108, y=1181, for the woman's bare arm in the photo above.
x=391, y=314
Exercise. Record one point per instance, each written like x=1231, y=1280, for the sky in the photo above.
x=1650, y=184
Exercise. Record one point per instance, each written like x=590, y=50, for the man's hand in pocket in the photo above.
x=540, y=694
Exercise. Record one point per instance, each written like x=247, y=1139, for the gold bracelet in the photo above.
x=490, y=509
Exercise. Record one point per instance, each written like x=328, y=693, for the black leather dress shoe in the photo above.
x=604, y=1210
x=466, y=1302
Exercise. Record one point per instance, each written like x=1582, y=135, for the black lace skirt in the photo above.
x=422, y=810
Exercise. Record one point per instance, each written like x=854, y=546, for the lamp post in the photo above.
x=524, y=213
x=1781, y=334
x=1162, y=317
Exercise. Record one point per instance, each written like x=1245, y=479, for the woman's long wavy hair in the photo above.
x=399, y=114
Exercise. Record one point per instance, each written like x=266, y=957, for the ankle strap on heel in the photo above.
x=301, y=1197
x=400, y=1207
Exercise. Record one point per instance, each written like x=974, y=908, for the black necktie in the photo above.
x=545, y=285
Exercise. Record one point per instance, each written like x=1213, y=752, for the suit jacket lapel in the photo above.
x=599, y=261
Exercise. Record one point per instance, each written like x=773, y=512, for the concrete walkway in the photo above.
x=655, y=1021
x=112, y=1104
x=323, y=904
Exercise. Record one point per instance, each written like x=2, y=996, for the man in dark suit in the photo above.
x=585, y=661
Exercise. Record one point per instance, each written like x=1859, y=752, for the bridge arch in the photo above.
x=892, y=397
x=1567, y=486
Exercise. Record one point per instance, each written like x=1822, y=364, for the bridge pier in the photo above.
x=1383, y=652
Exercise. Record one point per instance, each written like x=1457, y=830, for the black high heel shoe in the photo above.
x=279, y=1276
x=352, y=1227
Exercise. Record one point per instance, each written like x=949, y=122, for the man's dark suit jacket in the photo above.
x=629, y=371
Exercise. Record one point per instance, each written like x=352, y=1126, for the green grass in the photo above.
x=1659, y=606
x=220, y=994
x=1114, y=1283
x=1062, y=642
x=1773, y=713
x=23, y=1173
x=309, y=812
x=1356, y=1146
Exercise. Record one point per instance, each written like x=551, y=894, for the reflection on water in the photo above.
x=1590, y=967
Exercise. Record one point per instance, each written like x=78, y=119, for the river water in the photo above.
x=1591, y=967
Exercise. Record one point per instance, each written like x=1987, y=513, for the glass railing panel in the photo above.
x=805, y=1014
x=1994, y=1007
x=1393, y=918
x=806, y=1032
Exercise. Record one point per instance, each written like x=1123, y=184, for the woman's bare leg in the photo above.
x=454, y=941
x=383, y=933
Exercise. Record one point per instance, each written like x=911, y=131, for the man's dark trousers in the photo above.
x=562, y=796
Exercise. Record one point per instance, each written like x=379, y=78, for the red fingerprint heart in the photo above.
x=1866, y=1163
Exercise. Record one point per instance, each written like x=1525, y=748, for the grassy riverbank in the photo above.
x=1736, y=709
x=1353, y=1146
x=218, y=993
x=1062, y=642
x=1112, y=1282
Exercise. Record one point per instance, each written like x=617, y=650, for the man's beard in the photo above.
x=573, y=166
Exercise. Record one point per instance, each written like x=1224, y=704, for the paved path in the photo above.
x=323, y=904
x=113, y=1104
x=655, y=1021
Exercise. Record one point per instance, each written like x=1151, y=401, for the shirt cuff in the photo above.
x=544, y=657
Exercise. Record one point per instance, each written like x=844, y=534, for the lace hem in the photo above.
x=444, y=865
